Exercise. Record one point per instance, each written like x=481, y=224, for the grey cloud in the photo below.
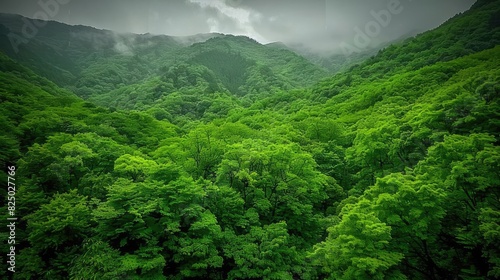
x=315, y=24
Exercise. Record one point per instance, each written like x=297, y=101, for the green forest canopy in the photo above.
x=228, y=164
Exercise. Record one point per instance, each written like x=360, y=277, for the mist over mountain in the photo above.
x=130, y=155
x=93, y=62
x=319, y=25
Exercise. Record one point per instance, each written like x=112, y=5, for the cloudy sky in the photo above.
x=316, y=24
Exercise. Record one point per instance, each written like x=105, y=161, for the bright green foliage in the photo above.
x=358, y=248
x=56, y=231
x=133, y=167
x=450, y=196
x=208, y=160
x=278, y=181
x=466, y=167
x=98, y=261
x=219, y=199
x=263, y=253
x=66, y=217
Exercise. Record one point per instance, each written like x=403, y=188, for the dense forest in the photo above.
x=216, y=157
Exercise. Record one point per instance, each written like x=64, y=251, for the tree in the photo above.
x=279, y=181
x=134, y=167
x=263, y=253
x=465, y=167
x=358, y=248
x=55, y=233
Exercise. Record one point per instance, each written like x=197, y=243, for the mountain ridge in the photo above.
x=203, y=170
x=78, y=51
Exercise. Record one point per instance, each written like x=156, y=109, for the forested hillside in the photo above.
x=94, y=63
x=228, y=160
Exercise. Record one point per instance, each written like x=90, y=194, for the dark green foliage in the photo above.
x=230, y=67
x=215, y=163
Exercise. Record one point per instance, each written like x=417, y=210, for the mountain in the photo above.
x=66, y=54
x=333, y=62
x=336, y=62
x=226, y=162
x=92, y=62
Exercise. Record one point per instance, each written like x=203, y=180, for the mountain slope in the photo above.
x=73, y=55
x=417, y=143
x=467, y=33
x=386, y=171
x=92, y=62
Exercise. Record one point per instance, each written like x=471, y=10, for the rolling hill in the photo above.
x=92, y=62
x=215, y=157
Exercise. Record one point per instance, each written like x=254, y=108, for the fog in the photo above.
x=319, y=25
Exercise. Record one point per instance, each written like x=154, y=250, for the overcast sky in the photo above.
x=317, y=24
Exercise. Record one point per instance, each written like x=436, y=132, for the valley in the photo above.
x=216, y=157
